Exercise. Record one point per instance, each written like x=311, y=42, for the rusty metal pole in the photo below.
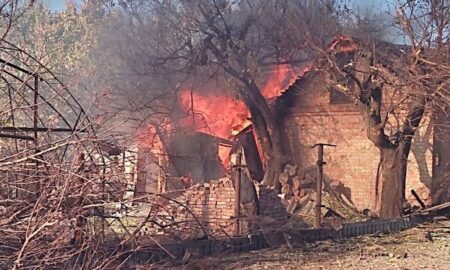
x=319, y=186
x=320, y=163
x=35, y=128
x=422, y=204
x=237, y=189
x=35, y=109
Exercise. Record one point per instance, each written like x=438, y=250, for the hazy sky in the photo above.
x=371, y=4
x=55, y=4
x=377, y=4
x=374, y=7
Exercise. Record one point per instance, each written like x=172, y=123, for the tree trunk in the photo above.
x=268, y=132
x=391, y=176
x=389, y=188
x=266, y=127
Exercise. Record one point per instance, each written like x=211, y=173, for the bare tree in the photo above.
x=10, y=11
x=58, y=184
x=396, y=83
x=231, y=41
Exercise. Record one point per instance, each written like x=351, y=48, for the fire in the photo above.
x=212, y=114
x=219, y=114
x=223, y=116
x=278, y=80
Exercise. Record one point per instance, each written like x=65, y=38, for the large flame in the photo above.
x=223, y=116
x=214, y=114
x=278, y=80
x=220, y=114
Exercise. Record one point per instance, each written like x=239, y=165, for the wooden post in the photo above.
x=162, y=184
x=81, y=221
x=320, y=163
x=237, y=189
x=319, y=186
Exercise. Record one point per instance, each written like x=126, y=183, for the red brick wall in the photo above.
x=354, y=161
x=213, y=204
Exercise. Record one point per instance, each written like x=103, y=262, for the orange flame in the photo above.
x=224, y=116
x=278, y=80
x=213, y=114
x=219, y=114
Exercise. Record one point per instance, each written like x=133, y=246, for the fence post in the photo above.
x=237, y=189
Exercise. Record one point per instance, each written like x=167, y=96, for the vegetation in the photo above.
x=103, y=70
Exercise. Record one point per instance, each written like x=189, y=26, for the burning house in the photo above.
x=308, y=111
x=142, y=134
x=192, y=157
x=209, y=128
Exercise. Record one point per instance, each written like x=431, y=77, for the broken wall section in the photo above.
x=213, y=204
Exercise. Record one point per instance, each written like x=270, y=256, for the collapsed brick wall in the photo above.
x=213, y=204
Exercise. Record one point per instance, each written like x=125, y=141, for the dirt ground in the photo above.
x=418, y=248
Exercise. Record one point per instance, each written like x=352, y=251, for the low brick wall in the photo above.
x=213, y=205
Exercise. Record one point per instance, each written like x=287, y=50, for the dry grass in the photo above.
x=407, y=250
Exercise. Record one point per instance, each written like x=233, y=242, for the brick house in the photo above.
x=312, y=113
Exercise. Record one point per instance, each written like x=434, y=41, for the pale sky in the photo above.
x=371, y=4
x=57, y=4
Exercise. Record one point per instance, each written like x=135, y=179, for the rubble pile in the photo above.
x=298, y=191
x=271, y=206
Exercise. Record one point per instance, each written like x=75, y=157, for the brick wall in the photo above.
x=313, y=119
x=214, y=206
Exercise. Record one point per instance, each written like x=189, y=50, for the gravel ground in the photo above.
x=411, y=249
